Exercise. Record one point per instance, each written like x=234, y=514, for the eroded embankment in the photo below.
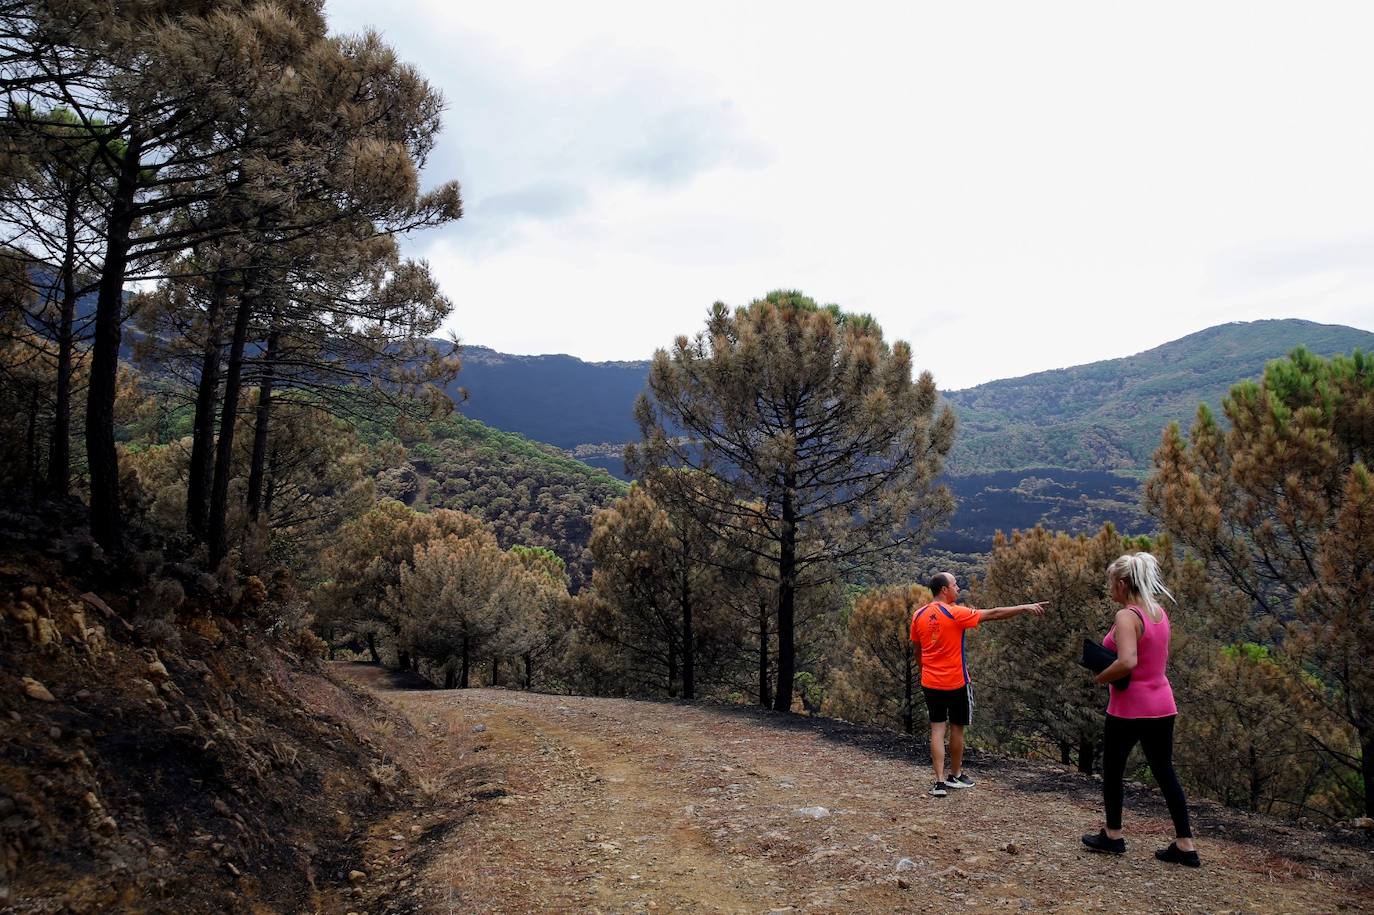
x=217, y=770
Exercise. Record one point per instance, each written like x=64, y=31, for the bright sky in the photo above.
x=1010, y=186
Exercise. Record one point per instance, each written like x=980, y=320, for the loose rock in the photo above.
x=35, y=690
x=98, y=604
x=46, y=633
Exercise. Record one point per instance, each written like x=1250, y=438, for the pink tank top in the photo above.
x=1149, y=694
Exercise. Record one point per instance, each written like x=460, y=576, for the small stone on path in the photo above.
x=35, y=690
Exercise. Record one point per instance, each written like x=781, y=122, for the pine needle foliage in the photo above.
x=813, y=448
x=1279, y=502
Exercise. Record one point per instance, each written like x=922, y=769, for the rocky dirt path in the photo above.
x=567, y=804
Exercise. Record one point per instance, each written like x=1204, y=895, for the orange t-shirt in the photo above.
x=937, y=634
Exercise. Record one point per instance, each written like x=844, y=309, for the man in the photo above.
x=937, y=637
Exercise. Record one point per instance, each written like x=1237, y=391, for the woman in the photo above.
x=1145, y=712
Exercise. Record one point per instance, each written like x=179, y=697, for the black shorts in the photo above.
x=952, y=705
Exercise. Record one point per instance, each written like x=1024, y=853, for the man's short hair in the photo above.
x=938, y=582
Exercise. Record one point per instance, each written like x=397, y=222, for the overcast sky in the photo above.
x=1011, y=187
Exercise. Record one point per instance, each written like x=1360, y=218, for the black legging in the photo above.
x=1156, y=738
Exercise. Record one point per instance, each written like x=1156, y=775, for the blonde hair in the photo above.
x=1140, y=572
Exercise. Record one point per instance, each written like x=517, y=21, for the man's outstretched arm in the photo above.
x=1006, y=613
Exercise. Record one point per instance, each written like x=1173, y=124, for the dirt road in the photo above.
x=566, y=804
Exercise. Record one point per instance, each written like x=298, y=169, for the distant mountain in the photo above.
x=559, y=399
x=1100, y=416
x=1067, y=448
x=1109, y=415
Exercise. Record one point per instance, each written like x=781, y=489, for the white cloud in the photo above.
x=1012, y=187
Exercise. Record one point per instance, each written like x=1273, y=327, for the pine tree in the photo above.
x=51, y=208
x=878, y=681
x=458, y=599
x=1039, y=691
x=1243, y=731
x=227, y=130
x=1280, y=504
x=636, y=608
x=545, y=625
x=363, y=564
x=802, y=425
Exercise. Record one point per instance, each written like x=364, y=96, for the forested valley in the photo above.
x=227, y=457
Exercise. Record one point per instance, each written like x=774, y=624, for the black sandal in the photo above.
x=1105, y=843
x=1175, y=855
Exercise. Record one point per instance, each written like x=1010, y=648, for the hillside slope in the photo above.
x=1100, y=416
x=561, y=803
x=192, y=767
x=1069, y=448
x=529, y=492
x=1066, y=448
x=1109, y=415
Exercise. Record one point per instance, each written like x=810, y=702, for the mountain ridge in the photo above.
x=1169, y=381
x=1064, y=447
x=512, y=393
x=1169, y=345
x=1109, y=415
